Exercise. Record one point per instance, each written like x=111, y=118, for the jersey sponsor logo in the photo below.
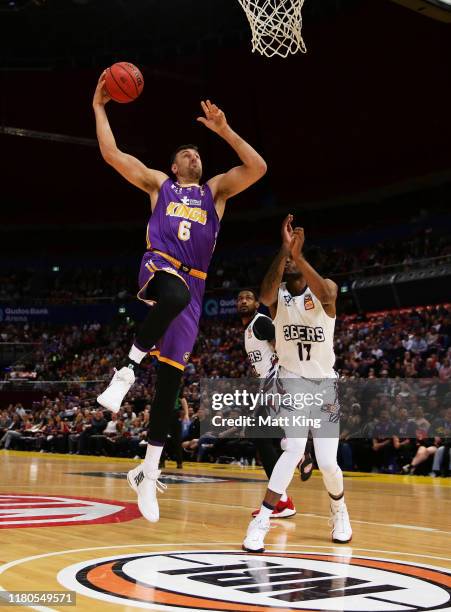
x=21, y=510
x=183, y=211
x=303, y=333
x=228, y=580
x=190, y=201
x=255, y=356
x=309, y=304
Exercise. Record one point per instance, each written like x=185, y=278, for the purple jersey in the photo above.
x=184, y=224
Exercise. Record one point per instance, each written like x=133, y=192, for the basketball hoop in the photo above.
x=276, y=26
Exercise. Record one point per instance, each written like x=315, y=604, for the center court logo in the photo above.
x=241, y=582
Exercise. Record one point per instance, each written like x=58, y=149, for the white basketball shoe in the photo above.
x=118, y=388
x=255, y=536
x=146, y=486
x=341, y=526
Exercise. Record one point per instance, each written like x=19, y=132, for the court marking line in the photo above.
x=320, y=516
x=307, y=514
x=6, y=566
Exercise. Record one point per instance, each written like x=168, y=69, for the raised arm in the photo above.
x=324, y=288
x=252, y=168
x=269, y=290
x=128, y=166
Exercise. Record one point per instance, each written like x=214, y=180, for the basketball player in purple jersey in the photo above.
x=181, y=236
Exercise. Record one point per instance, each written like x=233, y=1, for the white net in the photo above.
x=276, y=26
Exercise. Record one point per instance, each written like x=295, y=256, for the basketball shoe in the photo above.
x=341, y=526
x=118, y=388
x=146, y=485
x=283, y=509
x=255, y=536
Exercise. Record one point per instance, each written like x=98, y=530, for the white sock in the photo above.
x=152, y=458
x=284, y=497
x=265, y=512
x=136, y=354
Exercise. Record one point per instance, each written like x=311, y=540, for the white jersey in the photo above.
x=261, y=353
x=304, y=335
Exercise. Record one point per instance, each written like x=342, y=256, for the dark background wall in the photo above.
x=366, y=107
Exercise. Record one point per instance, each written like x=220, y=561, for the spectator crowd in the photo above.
x=230, y=270
x=385, y=426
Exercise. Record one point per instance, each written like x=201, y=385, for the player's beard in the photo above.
x=248, y=312
x=291, y=276
x=194, y=174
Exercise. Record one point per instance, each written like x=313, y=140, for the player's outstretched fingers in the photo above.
x=204, y=107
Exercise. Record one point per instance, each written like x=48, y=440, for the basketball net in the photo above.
x=276, y=26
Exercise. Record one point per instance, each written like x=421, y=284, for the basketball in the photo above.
x=124, y=82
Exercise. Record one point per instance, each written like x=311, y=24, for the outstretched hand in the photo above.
x=297, y=242
x=101, y=96
x=214, y=118
x=287, y=234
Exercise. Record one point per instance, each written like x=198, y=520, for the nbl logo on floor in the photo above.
x=212, y=580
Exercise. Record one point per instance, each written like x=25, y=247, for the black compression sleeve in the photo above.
x=264, y=329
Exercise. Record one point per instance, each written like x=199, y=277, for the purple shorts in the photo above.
x=175, y=346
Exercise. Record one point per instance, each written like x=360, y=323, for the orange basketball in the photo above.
x=124, y=82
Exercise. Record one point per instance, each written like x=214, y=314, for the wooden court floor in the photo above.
x=70, y=523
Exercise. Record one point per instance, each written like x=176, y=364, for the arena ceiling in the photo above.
x=58, y=33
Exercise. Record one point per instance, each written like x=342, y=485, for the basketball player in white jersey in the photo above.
x=259, y=341
x=303, y=310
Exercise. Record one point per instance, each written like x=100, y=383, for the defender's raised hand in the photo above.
x=100, y=95
x=287, y=234
x=214, y=118
x=297, y=242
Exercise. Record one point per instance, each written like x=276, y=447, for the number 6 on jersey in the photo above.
x=184, y=232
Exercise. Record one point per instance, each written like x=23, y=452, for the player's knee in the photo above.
x=327, y=467
x=294, y=446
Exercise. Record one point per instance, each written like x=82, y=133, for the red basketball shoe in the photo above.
x=284, y=509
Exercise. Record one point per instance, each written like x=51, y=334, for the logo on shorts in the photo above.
x=309, y=304
x=228, y=580
x=186, y=357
